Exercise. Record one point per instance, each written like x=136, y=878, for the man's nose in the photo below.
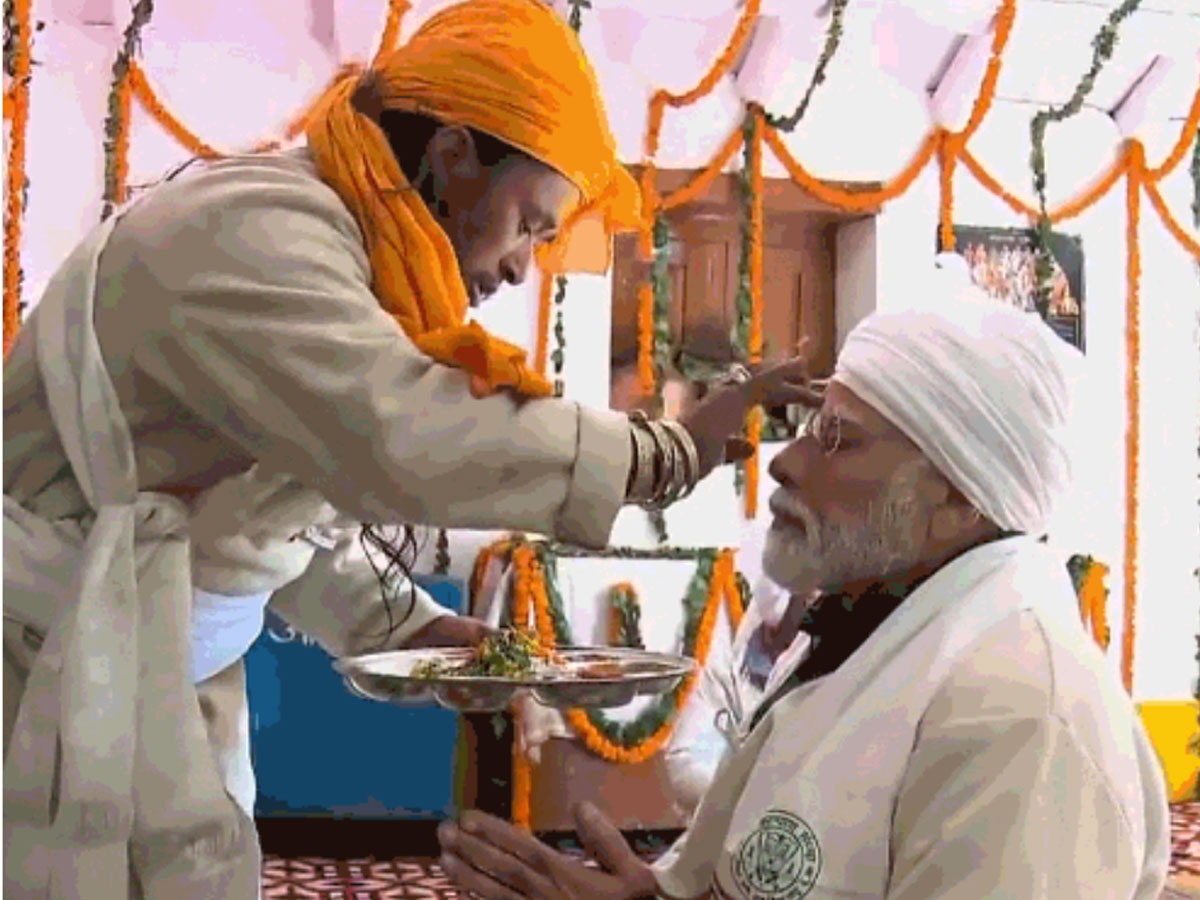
x=790, y=464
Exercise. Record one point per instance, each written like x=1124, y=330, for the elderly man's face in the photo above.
x=854, y=504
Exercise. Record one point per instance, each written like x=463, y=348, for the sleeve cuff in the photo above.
x=597, y=488
x=425, y=610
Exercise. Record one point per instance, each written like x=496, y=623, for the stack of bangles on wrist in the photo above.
x=666, y=464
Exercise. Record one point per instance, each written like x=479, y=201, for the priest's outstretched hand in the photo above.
x=497, y=861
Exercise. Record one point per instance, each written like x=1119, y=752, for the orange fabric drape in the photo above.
x=528, y=84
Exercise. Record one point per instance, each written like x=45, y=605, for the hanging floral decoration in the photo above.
x=575, y=16
x=535, y=596
x=833, y=36
x=18, y=64
x=626, y=617
x=116, y=125
x=1087, y=577
x=559, y=356
x=1103, y=44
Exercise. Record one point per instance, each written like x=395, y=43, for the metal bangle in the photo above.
x=643, y=481
x=675, y=479
x=691, y=455
x=651, y=475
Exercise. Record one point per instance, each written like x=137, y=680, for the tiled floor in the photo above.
x=316, y=878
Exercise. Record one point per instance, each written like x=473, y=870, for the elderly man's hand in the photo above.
x=496, y=861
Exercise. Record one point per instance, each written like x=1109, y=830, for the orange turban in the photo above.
x=512, y=69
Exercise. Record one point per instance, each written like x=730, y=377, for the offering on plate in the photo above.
x=512, y=660
x=507, y=653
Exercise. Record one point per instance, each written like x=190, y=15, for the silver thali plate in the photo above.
x=589, y=677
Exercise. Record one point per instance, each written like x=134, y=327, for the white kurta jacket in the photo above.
x=975, y=746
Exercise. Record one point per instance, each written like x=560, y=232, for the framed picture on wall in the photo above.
x=1001, y=261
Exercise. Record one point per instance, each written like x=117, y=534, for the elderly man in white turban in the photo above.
x=945, y=729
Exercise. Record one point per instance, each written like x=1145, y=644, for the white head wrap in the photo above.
x=983, y=389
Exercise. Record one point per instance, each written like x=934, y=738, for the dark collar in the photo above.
x=841, y=623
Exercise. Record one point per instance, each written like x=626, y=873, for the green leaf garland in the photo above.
x=628, y=610
x=629, y=734
x=575, y=17
x=131, y=44
x=559, y=356
x=1103, y=44
x=833, y=37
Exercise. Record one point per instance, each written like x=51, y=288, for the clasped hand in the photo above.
x=497, y=861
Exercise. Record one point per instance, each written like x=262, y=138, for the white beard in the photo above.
x=826, y=556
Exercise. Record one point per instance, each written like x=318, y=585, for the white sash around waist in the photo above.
x=110, y=787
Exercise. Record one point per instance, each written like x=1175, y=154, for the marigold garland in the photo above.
x=1087, y=577
x=652, y=203
x=533, y=591
x=1094, y=597
x=754, y=422
x=116, y=124
x=585, y=724
x=1164, y=212
x=1067, y=210
x=1103, y=44
x=663, y=98
x=17, y=111
x=747, y=332
x=851, y=201
x=700, y=182
x=987, y=89
x=949, y=150
x=1133, y=344
x=1186, y=136
x=756, y=235
x=522, y=774
x=149, y=100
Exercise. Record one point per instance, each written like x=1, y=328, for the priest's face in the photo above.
x=855, y=501
x=496, y=214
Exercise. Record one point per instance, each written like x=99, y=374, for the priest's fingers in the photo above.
x=506, y=869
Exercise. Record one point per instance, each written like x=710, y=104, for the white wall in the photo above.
x=856, y=281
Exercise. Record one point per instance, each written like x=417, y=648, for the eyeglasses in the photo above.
x=826, y=429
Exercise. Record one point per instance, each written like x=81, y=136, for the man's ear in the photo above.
x=954, y=516
x=452, y=155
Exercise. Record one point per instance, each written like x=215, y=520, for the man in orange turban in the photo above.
x=504, y=139
x=222, y=382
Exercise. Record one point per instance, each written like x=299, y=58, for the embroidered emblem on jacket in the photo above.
x=779, y=860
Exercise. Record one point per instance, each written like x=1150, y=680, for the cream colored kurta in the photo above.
x=975, y=746
x=234, y=316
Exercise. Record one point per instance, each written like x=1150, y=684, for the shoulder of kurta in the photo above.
x=250, y=210
x=1031, y=670
x=1006, y=672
